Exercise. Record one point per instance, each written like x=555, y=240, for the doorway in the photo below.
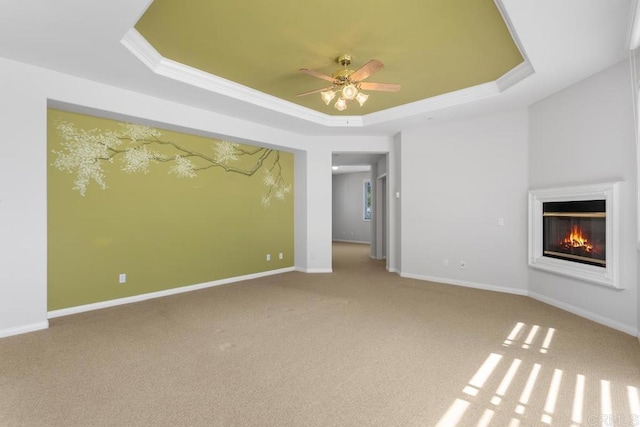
x=376, y=166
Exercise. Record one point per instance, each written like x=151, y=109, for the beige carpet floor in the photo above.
x=356, y=347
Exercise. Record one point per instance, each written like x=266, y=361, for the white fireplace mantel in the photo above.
x=606, y=276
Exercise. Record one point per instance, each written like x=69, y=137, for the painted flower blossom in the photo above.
x=183, y=168
x=268, y=179
x=139, y=132
x=226, y=152
x=137, y=159
x=85, y=151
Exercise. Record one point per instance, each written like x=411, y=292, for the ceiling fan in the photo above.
x=348, y=83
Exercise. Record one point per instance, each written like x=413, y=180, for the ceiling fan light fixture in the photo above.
x=349, y=92
x=346, y=84
x=328, y=95
x=362, y=98
x=341, y=104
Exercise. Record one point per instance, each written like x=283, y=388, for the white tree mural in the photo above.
x=85, y=152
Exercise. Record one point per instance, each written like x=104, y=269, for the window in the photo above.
x=367, y=200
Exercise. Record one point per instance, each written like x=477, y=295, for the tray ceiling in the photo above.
x=431, y=47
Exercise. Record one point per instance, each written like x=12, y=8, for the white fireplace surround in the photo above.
x=607, y=276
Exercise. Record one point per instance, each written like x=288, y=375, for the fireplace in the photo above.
x=574, y=231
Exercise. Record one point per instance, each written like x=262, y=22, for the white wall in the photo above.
x=23, y=203
x=26, y=91
x=300, y=215
x=380, y=226
x=381, y=166
x=348, y=203
x=395, y=199
x=581, y=135
x=380, y=222
x=373, y=173
x=318, y=206
x=635, y=60
x=458, y=178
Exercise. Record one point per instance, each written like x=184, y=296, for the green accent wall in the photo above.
x=168, y=209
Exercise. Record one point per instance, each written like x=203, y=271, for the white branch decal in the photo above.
x=85, y=151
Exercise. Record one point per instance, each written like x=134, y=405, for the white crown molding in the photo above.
x=434, y=103
x=634, y=27
x=521, y=71
x=168, y=68
x=142, y=49
x=515, y=75
x=514, y=35
x=452, y=99
x=162, y=66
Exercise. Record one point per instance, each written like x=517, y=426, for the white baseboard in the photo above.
x=164, y=293
x=314, y=270
x=24, y=329
x=586, y=314
x=112, y=303
x=466, y=284
x=559, y=304
x=360, y=242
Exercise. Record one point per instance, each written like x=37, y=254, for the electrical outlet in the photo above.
x=463, y=264
x=445, y=262
x=122, y=278
x=268, y=257
x=501, y=221
x=280, y=255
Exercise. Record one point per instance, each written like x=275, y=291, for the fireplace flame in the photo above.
x=575, y=239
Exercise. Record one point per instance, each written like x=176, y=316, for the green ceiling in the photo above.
x=430, y=47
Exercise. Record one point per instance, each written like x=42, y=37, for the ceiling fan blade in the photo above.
x=366, y=70
x=317, y=74
x=315, y=91
x=384, y=87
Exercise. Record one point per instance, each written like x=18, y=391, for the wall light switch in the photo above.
x=280, y=255
x=122, y=278
x=268, y=257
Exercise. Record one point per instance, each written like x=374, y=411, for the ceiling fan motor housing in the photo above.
x=342, y=76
